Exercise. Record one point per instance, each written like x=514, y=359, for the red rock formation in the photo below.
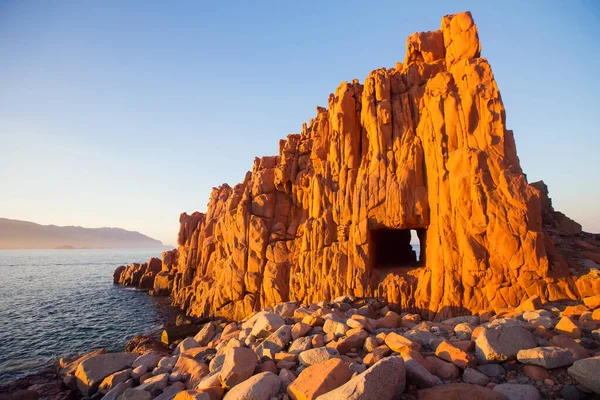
x=139, y=275
x=554, y=219
x=421, y=146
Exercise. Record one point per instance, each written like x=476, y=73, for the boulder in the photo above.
x=459, y=391
x=301, y=344
x=68, y=366
x=186, y=344
x=114, y=379
x=319, y=378
x=118, y=390
x=383, y=381
x=353, y=341
x=212, y=393
x=315, y=356
x=173, y=333
x=491, y=370
x=475, y=377
x=142, y=344
x=586, y=372
x=275, y=342
x=567, y=326
x=192, y=369
x=548, y=357
x=148, y=360
x=259, y=387
x=514, y=391
x=206, y=334
x=134, y=394
x=450, y=353
x=536, y=373
x=93, y=370
x=155, y=384
x=502, y=343
x=335, y=327
x=418, y=375
x=444, y=370
x=171, y=391
x=300, y=329
x=286, y=309
x=239, y=365
x=266, y=324
x=396, y=342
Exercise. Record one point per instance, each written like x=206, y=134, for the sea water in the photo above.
x=56, y=303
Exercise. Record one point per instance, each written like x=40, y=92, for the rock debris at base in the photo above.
x=358, y=349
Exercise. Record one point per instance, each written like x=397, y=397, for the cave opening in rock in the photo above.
x=392, y=248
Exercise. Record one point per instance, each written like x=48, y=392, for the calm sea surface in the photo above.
x=55, y=303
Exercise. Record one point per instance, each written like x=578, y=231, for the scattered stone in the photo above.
x=170, y=392
x=518, y=392
x=464, y=330
x=548, y=357
x=259, y=387
x=335, y=327
x=459, y=391
x=300, y=329
x=191, y=369
x=118, y=390
x=135, y=394
x=114, y=379
x=155, y=384
x=206, y=334
x=475, y=377
x=536, y=373
x=319, y=378
x=353, y=340
x=450, y=353
x=383, y=381
x=301, y=344
x=492, y=370
x=568, y=327
x=149, y=360
x=396, y=342
x=315, y=356
x=586, y=372
x=532, y=303
x=444, y=370
x=592, y=302
x=93, y=370
x=186, y=344
x=143, y=344
x=570, y=392
x=502, y=343
x=570, y=343
x=275, y=342
x=370, y=344
x=418, y=375
x=287, y=309
x=238, y=366
x=266, y=324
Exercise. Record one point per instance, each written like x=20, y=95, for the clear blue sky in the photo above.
x=127, y=113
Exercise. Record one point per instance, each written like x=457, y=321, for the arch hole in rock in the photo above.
x=392, y=248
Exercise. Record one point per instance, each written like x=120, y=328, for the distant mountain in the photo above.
x=16, y=234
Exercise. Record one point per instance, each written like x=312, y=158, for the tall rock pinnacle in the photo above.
x=422, y=146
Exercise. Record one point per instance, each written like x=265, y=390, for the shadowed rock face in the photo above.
x=420, y=146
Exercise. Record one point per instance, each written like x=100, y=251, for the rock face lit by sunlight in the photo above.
x=421, y=146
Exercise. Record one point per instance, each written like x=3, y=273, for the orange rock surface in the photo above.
x=421, y=146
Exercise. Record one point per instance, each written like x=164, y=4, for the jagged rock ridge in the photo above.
x=421, y=146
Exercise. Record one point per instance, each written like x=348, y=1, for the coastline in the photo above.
x=539, y=348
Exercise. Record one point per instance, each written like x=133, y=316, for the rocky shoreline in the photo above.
x=349, y=349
